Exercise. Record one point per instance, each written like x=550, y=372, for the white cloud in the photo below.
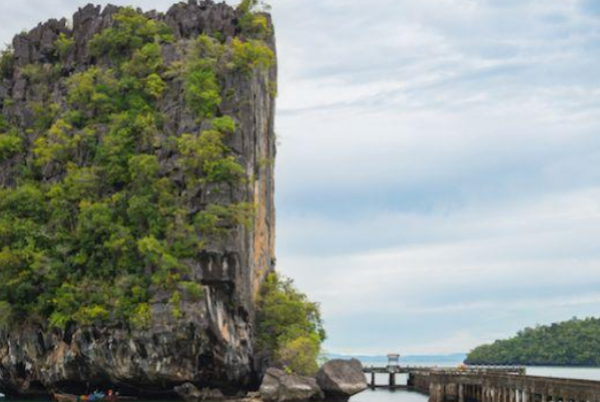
x=532, y=260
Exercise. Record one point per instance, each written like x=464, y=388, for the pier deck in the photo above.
x=486, y=384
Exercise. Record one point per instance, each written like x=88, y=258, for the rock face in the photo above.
x=190, y=393
x=340, y=379
x=278, y=386
x=213, y=345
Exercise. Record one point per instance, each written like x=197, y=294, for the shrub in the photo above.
x=26, y=202
x=218, y=219
x=132, y=30
x=202, y=92
x=154, y=86
x=5, y=315
x=252, y=22
x=3, y=124
x=64, y=45
x=176, y=304
x=66, y=303
x=10, y=145
x=166, y=267
x=201, y=85
x=207, y=155
x=224, y=125
x=194, y=291
x=7, y=63
x=301, y=355
x=145, y=61
x=44, y=114
x=143, y=169
x=35, y=73
x=251, y=54
x=94, y=92
x=58, y=145
x=289, y=326
x=142, y=316
x=88, y=315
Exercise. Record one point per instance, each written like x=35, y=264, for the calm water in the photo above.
x=408, y=396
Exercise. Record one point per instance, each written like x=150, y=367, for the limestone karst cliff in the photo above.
x=136, y=198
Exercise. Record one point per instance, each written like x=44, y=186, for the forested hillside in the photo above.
x=571, y=343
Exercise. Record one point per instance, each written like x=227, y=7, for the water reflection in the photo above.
x=389, y=396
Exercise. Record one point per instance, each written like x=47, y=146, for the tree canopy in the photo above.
x=290, y=327
x=571, y=343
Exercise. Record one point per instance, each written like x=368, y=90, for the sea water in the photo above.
x=382, y=395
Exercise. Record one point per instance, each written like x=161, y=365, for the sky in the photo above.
x=437, y=174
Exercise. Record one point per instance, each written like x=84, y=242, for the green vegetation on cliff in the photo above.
x=289, y=327
x=91, y=219
x=571, y=343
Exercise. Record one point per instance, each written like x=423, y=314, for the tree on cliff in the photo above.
x=571, y=343
x=290, y=328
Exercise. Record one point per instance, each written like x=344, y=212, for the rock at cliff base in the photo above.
x=340, y=379
x=278, y=386
x=190, y=393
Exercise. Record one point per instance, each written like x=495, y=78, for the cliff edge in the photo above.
x=137, y=217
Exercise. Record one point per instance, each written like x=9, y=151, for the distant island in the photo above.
x=572, y=343
x=411, y=360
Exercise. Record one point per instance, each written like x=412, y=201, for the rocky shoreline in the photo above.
x=337, y=380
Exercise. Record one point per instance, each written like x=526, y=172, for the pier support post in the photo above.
x=461, y=393
x=392, y=380
x=372, y=380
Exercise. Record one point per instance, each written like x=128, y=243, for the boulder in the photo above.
x=340, y=379
x=190, y=393
x=278, y=386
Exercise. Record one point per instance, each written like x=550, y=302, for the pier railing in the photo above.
x=421, y=371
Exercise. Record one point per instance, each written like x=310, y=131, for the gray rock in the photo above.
x=340, y=379
x=190, y=393
x=278, y=386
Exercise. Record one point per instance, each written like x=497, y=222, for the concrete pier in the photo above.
x=487, y=384
x=418, y=377
x=490, y=387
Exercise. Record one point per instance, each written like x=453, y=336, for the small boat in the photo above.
x=91, y=398
x=66, y=398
